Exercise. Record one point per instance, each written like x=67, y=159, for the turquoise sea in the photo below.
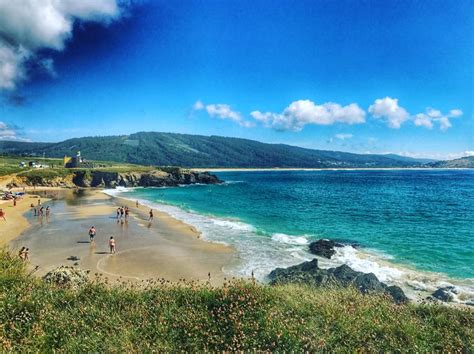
x=413, y=226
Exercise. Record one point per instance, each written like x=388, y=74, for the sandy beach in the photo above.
x=164, y=248
x=15, y=222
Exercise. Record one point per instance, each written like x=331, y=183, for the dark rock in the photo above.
x=324, y=248
x=368, y=283
x=397, y=294
x=445, y=294
x=344, y=274
x=309, y=273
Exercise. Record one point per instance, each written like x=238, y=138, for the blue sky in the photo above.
x=360, y=76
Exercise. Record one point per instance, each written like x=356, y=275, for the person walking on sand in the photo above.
x=137, y=205
x=92, y=232
x=122, y=211
x=151, y=215
x=112, y=244
x=2, y=215
x=14, y=202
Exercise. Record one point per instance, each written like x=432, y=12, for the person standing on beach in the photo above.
x=21, y=254
x=122, y=211
x=112, y=244
x=151, y=215
x=92, y=233
x=118, y=213
x=14, y=201
x=2, y=215
x=136, y=204
x=127, y=211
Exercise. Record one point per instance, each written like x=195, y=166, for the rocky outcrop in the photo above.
x=309, y=273
x=67, y=277
x=324, y=248
x=110, y=179
x=445, y=294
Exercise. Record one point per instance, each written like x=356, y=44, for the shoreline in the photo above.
x=185, y=235
x=167, y=248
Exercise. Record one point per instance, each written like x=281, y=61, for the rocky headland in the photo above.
x=112, y=179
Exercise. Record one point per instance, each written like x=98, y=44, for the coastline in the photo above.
x=166, y=248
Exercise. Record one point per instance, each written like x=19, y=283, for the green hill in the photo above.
x=464, y=162
x=170, y=149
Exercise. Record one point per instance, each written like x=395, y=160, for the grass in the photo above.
x=10, y=165
x=240, y=315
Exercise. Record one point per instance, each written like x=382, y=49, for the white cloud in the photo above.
x=303, y=112
x=9, y=133
x=388, y=109
x=423, y=120
x=432, y=116
x=454, y=113
x=343, y=136
x=222, y=111
x=27, y=26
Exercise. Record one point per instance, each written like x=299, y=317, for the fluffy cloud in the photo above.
x=27, y=26
x=388, y=109
x=303, y=112
x=432, y=116
x=222, y=111
x=9, y=133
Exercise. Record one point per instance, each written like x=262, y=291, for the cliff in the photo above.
x=111, y=179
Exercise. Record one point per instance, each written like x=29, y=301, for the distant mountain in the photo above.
x=170, y=149
x=464, y=162
x=409, y=159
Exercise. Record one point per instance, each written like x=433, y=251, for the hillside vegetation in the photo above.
x=39, y=317
x=169, y=149
x=464, y=162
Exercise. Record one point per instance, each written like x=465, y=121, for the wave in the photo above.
x=260, y=253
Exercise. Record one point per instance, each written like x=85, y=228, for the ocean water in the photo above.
x=415, y=228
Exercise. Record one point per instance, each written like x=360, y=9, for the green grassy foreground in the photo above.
x=35, y=316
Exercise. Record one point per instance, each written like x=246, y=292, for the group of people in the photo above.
x=40, y=210
x=93, y=233
x=123, y=212
x=24, y=254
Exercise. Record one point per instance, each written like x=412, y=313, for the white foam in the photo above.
x=290, y=240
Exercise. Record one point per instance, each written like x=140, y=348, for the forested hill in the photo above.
x=169, y=149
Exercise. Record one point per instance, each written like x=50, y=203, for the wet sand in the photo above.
x=15, y=222
x=165, y=248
